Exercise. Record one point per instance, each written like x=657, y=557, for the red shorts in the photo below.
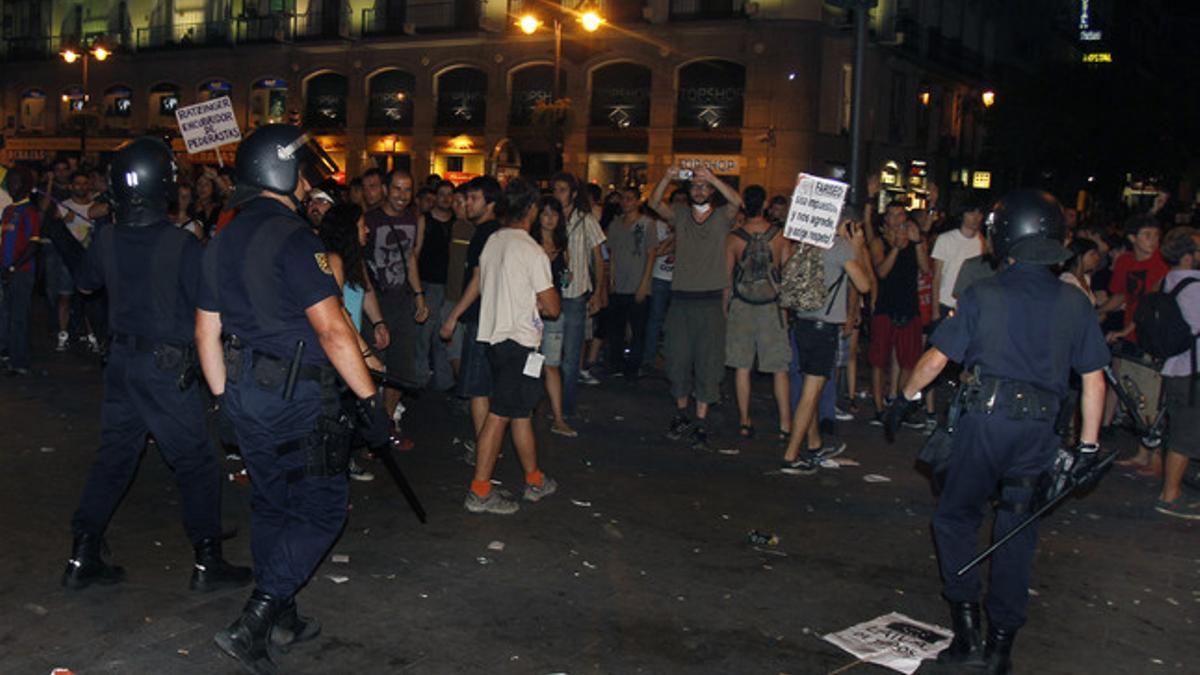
x=886, y=336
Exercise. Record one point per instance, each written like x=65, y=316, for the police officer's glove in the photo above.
x=896, y=412
x=1084, y=471
x=218, y=404
x=372, y=421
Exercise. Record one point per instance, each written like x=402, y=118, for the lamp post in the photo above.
x=860, y=9
x=586, y=15
x=84, y=55
x=589, y=18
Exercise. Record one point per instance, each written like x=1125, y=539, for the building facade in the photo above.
x=759, y=91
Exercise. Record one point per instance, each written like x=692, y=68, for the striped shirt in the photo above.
x=20, y=224
x=583, y=235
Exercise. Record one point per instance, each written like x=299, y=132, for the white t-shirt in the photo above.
x=953, y=249
x=513, y=269
x=79, y=225
x=664, y=265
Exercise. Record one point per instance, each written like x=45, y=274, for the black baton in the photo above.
x=289, y=388
x=385, y=453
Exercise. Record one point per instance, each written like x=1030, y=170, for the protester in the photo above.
x=814, y=338
x=695, y=323
x=516, y=290
x=1085, y=256
x=950, y=251
x=20, y=231
x=630, y=257
x=550, y=230
x=757, y=327
x=1181, y=250
x=584, y=295
x=656, y=290
x=432, y=360
x=484, y=198
x=898, y=256
x=394, y=238
x=373, y=192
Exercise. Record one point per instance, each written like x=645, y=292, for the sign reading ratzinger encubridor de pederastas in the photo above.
x=209, y=124
x=813, y=215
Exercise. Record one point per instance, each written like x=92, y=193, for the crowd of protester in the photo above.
x=687, y=280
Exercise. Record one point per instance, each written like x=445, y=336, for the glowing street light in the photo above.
x=989, y=98
x=100, y=53
x=924, y=97
x=529, y=24
x=591, y=20
x=70, y=55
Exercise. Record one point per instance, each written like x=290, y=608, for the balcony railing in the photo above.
x=185, y=35
x=684, y=10
x=613, y=11
x=421, y=16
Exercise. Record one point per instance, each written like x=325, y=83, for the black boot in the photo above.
x=998, y=651
x=291, y=627
x=966, y=649
x=87, y=567
x=248, y=638
x=212, y=572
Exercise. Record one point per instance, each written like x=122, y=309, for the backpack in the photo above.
x=802, y=288
x=1161, y=329
x=755, y=277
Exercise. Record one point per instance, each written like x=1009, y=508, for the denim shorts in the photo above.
x=552, y=342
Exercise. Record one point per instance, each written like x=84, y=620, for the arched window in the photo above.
x=390, y=100
x=532, y=85
x=462, y=99
x=71, y=103
x=164, y=99
x=325, y=101
x=620, y=96
x=268, y=101
x=711, y=95
x=215, y=88
x=118, y=107
x=33, y=110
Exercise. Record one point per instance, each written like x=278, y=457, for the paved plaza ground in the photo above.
x=639, y=565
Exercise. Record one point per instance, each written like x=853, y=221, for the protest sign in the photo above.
x=893, y=641
x=813, y=215
x=208, y=124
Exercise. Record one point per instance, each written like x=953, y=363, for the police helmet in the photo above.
x=274, y=157
x=1028, y=226
x=141, y=180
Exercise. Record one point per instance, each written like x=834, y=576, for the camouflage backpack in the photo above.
x=755, y=277
x=803, y=287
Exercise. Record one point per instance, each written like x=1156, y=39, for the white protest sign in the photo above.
x=209, y=124
x=813, y=215
x=894, y=641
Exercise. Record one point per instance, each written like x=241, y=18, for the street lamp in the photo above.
x=989, y=98
x=587, y=16
x=71, y=55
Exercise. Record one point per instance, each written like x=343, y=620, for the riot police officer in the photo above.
x=1021, y=332
x=151, y=271
x=273, y=341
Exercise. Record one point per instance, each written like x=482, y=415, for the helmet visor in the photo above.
x=315, y=164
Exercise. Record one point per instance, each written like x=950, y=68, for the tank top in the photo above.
x=352, y=298
x=435, y=250
x=898, y=291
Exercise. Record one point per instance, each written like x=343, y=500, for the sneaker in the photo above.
x=563, y=429
x=680, y=424
x=841, y=415
x=1179, y=508
x=359, y=473
x=495, y=503
x=877, y=420
x=830, y=449
x=63, y=340
x=586, y=377
x=801, y=466
x=93, y=344
x=917, y=420
x=699, y=439
x=535, y=493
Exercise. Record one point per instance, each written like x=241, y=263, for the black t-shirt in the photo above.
x=155, y=266
x=299, y=276
x=898, y=290
x=435, y=250
x=474, y=250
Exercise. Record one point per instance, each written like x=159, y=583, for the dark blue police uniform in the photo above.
x=151, y=274
x=1023, y=331
x=260, y=274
